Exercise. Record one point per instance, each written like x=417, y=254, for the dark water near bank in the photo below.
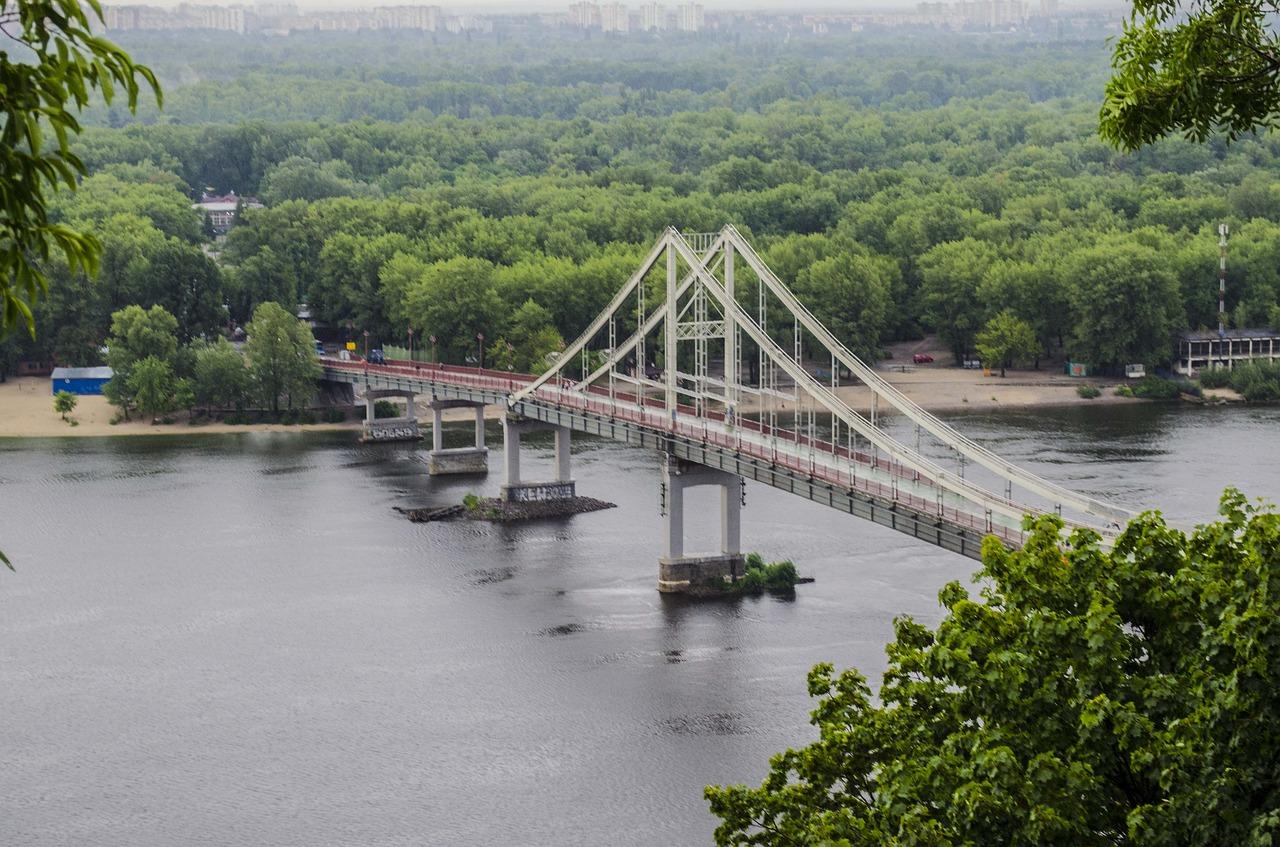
x=235, y=640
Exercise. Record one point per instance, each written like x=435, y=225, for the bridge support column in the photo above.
x=402, y=428
x=457, y=460
x=517, y=490
x=682, y=574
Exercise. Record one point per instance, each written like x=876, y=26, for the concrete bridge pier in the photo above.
x=402, y=428
x=457, y=460
x=682, y=574
x=516, y=489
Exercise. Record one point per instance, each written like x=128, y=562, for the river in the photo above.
x=235, y=640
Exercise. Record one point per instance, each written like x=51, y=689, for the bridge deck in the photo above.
x=872, y=487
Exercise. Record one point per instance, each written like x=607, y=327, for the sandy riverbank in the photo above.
x=947, y=389
x=939, y=386
x=26, y=411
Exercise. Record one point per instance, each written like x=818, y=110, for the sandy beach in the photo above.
x=939, y=386
x=26, y=411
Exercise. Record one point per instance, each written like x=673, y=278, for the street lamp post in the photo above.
x=410, y=344
x=480, y=345
x=433, y=349
x=366, y=345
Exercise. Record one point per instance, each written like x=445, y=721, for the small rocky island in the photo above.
x=494, y=509
x=758, y=577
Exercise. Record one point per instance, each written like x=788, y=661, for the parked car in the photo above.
x=922, y=358
x=319, y=348
x=377, y=358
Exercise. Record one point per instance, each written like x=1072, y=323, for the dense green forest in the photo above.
x=508, y=185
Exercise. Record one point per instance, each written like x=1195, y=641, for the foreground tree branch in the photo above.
x=1086, y=697
x=49, y=76
x=1195, y=68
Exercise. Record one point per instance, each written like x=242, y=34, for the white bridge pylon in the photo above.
x=735, y=317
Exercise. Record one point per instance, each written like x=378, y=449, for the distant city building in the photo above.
x=222, y=209
x=183, y=16
x=606, y=17
x=425, y=18
x=276, y=9
x=457, y=24
x=281, y=18
x=585, y=15
x=1207, y=350
x=992, y=14
x=614, y=17
x=690, y=17
x=226, y=18
x=652, y=17
x=123, y=17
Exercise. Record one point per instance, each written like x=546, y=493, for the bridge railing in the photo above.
x=457, y=374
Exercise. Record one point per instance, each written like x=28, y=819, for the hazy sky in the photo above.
x=557, y=6
x=508, y=6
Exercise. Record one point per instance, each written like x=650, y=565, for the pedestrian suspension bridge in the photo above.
x=701, y=355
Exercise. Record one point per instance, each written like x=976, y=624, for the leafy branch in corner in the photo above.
x=48, y=76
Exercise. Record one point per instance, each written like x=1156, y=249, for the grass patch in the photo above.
x=758, y=577
x=1124, y=391
x=1088, y=392
x=1155, y=388
x=761, y=576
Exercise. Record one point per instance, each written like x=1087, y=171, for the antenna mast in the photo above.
x=1222, y=281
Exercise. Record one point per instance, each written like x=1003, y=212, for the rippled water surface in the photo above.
x=237, y=640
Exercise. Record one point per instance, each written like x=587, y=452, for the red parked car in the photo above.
x=922, y=358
